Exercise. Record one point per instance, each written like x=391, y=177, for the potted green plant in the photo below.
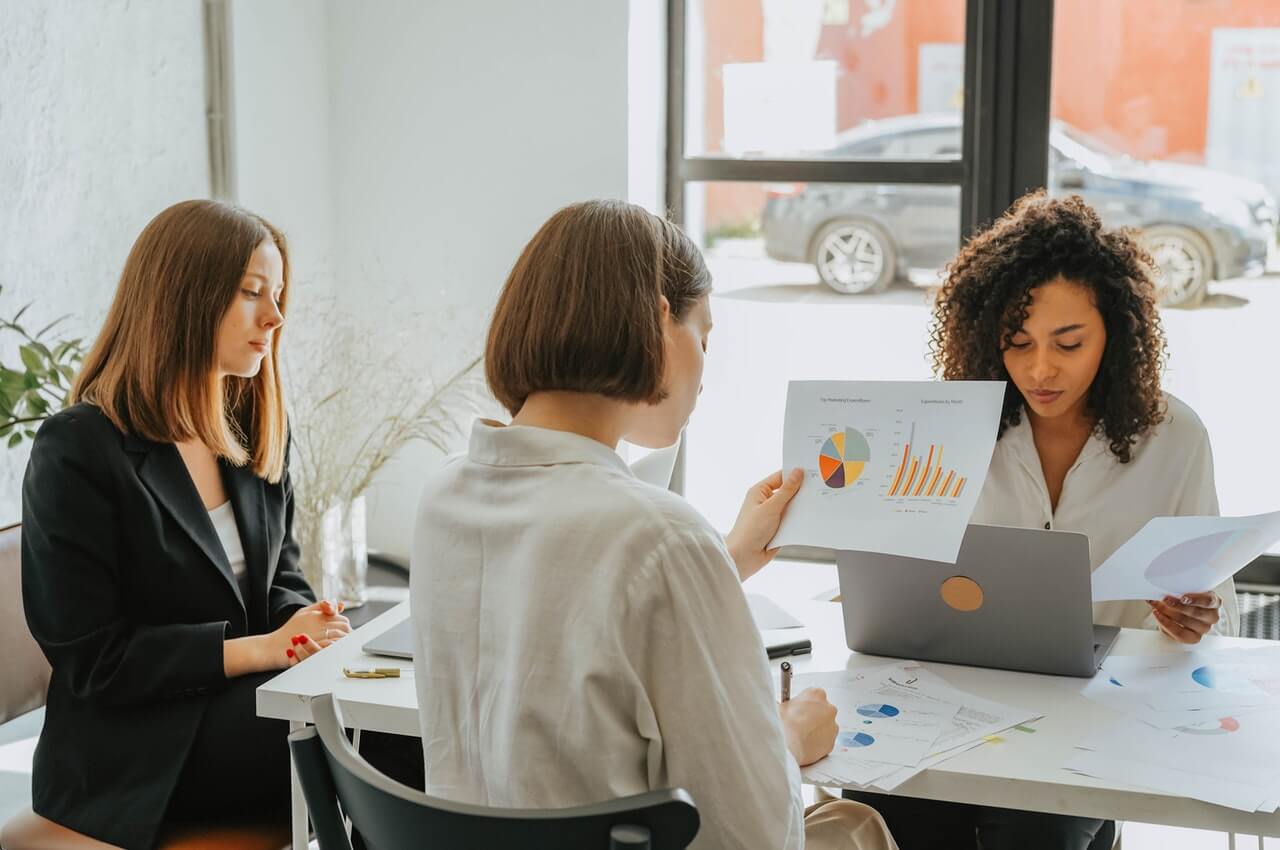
x=37, y=390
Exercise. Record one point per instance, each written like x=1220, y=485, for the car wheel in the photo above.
x=1184, y=264
x=854, y=257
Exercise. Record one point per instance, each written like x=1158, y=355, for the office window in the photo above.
x=1166, y=117
x=821, y=171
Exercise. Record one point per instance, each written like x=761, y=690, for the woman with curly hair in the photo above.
x=1065, y=312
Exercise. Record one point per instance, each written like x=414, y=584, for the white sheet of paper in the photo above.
x=879, y=719
x=1189, y=554
x=1246, y=752
x=891, y=466
x=1135, y=684
x=1222, y=792
x=1204, y=680
x=769, y=614
x=976, y=720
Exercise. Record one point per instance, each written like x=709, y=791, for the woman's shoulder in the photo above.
x=1180, y=426
x=80, y=434
x=81, y=423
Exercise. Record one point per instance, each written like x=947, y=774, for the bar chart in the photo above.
x=922, y=475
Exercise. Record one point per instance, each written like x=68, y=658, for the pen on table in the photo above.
x=786, y=681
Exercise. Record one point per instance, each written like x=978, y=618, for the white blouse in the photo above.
x=1170, y=474
x=583, y=635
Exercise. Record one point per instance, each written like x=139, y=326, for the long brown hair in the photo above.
x=153, y=368
x=580, y=309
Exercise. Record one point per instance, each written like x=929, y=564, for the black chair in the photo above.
x=390, y=816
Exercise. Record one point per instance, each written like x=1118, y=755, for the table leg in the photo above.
x=299, y=806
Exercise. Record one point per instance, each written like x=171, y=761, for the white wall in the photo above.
x=102, y=125
x=281, y=128
x=453, y=131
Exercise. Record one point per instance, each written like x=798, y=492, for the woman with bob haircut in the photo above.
x=1065, y=312
x=587, y=632
x=159, y=569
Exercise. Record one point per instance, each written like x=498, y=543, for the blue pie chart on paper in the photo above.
x=855, y=739
x=878, y=711
x=1220, y=678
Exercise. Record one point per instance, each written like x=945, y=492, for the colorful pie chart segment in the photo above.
x=878, y=711
x=1221, y=726
x=854, y=739
x=843, y=457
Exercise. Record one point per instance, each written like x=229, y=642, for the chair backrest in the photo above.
x=391, y=816
x=25, y=683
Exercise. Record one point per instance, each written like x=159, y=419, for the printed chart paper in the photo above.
x=1189, y=554
x=891, y=466
x=1195, y=680
x=870, y=695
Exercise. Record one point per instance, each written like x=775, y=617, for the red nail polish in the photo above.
x=289, y=652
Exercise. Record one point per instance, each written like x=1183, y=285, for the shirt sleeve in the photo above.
x=1198, y=496
x=706, y=676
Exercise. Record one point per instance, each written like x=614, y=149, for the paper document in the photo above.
x=869, y=702
x=1189, y=554
x=1237, y=766
x=769, y=614
x=891, y=466
x=879, y=719
x=1196, y=691
x=1193, y=680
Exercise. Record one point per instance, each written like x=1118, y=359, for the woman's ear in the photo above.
x=664, y=306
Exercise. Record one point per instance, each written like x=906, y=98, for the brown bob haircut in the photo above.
x=580, y=310
x=153, y=368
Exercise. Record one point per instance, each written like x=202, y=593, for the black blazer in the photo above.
x=129, y=593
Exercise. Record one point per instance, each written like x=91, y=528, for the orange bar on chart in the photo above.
x=933, y=485
x=947, y=483
x=897, y=479
x=959, y=487
x=911, y=476
x=928, y=467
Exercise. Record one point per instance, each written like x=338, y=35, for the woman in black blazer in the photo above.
x=159, y=569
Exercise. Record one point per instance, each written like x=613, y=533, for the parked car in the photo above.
x=1199, y=224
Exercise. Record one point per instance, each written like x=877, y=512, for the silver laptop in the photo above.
x=1016, y=599
x=395, y=642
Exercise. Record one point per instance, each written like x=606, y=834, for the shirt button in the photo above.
x=1048, y=526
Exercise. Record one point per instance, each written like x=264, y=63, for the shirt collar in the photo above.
x=1021, y=441
x=495, y=444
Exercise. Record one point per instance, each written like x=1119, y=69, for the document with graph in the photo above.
x=890, y=466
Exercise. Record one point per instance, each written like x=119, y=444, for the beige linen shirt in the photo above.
x=583, y=635
x=1170, y=474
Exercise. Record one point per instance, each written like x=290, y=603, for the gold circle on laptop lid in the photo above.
x=961, y=593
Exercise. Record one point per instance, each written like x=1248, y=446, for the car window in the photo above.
x=872, y=148
x=939, y=142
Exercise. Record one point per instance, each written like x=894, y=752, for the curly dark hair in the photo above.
x=985, y=299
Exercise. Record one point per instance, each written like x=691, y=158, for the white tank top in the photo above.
x=224, y=523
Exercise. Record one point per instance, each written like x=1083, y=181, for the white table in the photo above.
x=1024, y=772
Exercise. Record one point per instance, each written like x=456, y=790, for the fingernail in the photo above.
x=294, y=640
x=1186, y=600
x=289, y=652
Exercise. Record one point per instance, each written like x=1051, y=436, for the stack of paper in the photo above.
x=1203, y=724
x=897, y=720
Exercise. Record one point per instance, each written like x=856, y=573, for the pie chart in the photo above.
x=854, y=740
x=842, y=458
x=1221, y=726
x=878, y=711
